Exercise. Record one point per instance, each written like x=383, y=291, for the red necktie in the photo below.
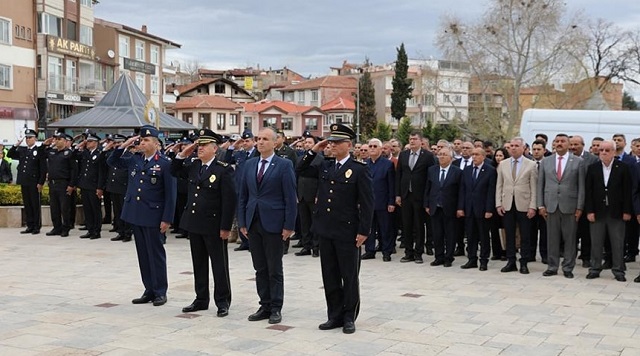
x=559, y=169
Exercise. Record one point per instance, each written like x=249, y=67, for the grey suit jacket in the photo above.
x=566, y=194
x=588, y=159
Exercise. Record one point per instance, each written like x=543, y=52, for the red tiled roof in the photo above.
x=264, y=105
x=207, y=102
x=189, y=87
x=340, y=104
x=330, y=81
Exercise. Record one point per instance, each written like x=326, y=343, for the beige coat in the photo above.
x=523, y=189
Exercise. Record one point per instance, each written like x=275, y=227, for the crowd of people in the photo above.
x=451, y=199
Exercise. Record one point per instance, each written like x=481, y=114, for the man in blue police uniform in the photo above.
x=31, y=174
x=88, y=156
x=342, y=220
x=208, y=217
x=149, y=205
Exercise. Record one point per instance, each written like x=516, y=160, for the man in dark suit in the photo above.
x=149, y=205
x=267, y=216
x=441, y=203
x=307, y=190
x=411, y=178
x=383, y=182
x=343, y=222
x=88, y=157
x=31, y=175
x=464, y=161
x=208, y=216
x=476, y=203
x=538, y=222
x=608, y=206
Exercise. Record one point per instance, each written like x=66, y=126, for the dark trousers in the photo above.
x=631, y=238
x=181, y=201
x=413, y=219
x=584, y=237
x=444, y=235
x=266, y=254
x=460, y=234
x=152, y=259
x=496, y=243
x=59, y=202
x=106, y=199
x=380, y=228
x=31, y=201
x=305, y=215
x=513, y=219
x=72, y=208
x=539, y=225
x=478, y=233
x=340, y=263
x=205, y=248
x=92, y=211
x=122, y=227
x=614, y=228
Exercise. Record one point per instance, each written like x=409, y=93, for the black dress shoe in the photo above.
x=113, y=229
x=620, y=278
x=628, y=259
x=330, y=324
x=158, y=301
x=593, y=275
x=436, y=263
x=64, y=233
x=145, y=298
x=27, y=231
x=298, y=244
x=182, y=236
x=606, y=265
x=94, y=236
x=315, y=253
x=447, y=264
x=483, y=267
x=568, y=274
x=524, y=269
x=261, y=314
x=53, y=232
x=174, y=231
x=126, y=239
x=510, y=267
x=496, y=258
x=586, y=263
x=549, y=273
x=349, y=327
x=407, y=259
x=368, y=256
x=429, y=252
x=469, y=264
x=195, y=306
x=241, y=248
x=35, y=232
x=637, y=279
x=303, y=252
x=418, y=260
x=117, y=238
x=458, y=252
x=386, y=258
x=275, y=317
x=222, y=312
x=83, y=228
x=545, y=261
x=86, y=236
x=106, y=221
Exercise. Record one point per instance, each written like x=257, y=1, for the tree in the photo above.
x=368, y=117
x=401, y=85
x=629, y=102
x=435, y=132
x=404, y=130
x=382, y=132
x=528, y=41
x=192, y=67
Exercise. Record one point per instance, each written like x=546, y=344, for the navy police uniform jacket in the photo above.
x=151, y=190
x=89, y=169
x=211, y=196
x=32, y=166
x=112, y=179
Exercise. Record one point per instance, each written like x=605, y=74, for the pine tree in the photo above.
x=404, y=130
x=368, y=115
x=401, y=85
x=382, y=131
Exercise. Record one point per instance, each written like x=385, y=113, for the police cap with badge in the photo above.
x=341, y=132
x=149, y=131
x=30, y=133
x=206, y=136
x=92, y=137
x=247, y=134
x=63, y=136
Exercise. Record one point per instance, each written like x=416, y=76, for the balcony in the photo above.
x=75, y=85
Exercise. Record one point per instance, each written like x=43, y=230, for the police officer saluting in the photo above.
x=149, y=205
x=113, y=180
x=88, y=157
x=31, y=173
x=207, y=217
x=62, y=169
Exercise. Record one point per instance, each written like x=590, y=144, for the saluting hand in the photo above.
x=129, y=142
x=320, y=146
x=186, y=152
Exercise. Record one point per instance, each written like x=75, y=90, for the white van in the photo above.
x=586, y=123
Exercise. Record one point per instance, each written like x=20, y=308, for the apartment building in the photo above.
x=17, y=68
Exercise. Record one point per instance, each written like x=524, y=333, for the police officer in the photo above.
x=149, y=205
x=113, y=180
x=183, y=186
x=248, y=144
x=342, y=221
x=62, y=171
x=208, y=217
x=31, y=174
x=283, y=150
x=88, y=156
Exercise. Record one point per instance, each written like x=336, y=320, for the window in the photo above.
x=70, y=82
x=124, y=46
x=221, y=121
x=445, y=114
x=39, y=66
x=87, y=81
x=445, y=98
x=428, y=99
x=72, y=30
x=155, y=55
x=55, y=73
x=140, y=50
x=5, y=31
x=233, y=119
x=154, y=85
x=288, y=97
x=247, y=122
x=86, y=35
x=269, y=122
x=49, y=24
x=187, y=117
x=219, y=88
x=5, y=76
x=87, y=3
x=457, y=98
x=314, y=95
x=310, y=124
x=301, y=96
x=287, y=123
x=140, y=81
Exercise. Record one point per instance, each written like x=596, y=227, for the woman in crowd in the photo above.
x=5, y=170
x=498, y=237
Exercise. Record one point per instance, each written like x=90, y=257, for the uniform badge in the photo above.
x=212, y=178
x=133, y=173
x=66, y=153
x=94, y=157
x=35, y=153
x=348, y=173
x=154, y=180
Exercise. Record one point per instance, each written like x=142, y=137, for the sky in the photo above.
x=311, y=36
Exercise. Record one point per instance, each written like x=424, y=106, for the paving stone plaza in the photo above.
x=67, y=296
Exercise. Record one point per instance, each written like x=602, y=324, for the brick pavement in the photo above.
x=66, y=296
